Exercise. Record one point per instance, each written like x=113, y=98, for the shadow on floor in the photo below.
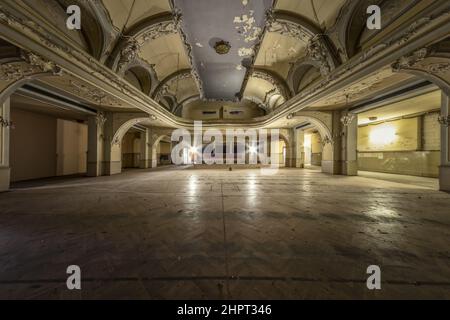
x=45, y=181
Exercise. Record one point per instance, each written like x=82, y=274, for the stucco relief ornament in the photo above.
x=5, y=123
x=410, y=61
x=444, y=120
x=348, y=119
x=128, y=54
x=100, y=119
x=16, y=70
x=41, y=63
x=116, y=141
x=438, y=68
x=326, y=141
x=158, y=30
x=94, y=94
x=285, y=28
x=316, y=52
x=266, y=77
x=10, y=72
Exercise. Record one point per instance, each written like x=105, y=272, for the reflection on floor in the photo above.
x=224, y=235
x=430, y=183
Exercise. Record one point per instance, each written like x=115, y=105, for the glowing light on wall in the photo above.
x=308, y=146
x=383, y=135
x=253, y=149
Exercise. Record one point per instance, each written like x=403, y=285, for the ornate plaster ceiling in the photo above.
x=304, y=49
x=278, y=52
x=166, y=53
x=241, y=23
x=363, y=89
x=122, y=10
x=322, y=12
x=238, y=24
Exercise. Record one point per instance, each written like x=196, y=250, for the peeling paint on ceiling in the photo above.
x=238, y=22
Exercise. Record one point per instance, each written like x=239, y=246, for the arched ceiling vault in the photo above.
x=298, y=44
x=130, y=51
x=164, y=86
x=128, y=47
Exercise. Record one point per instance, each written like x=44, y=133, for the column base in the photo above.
x=111, y=168
x=94, y=169
x=144, y=164
x=444, y=178
x=331, y=167
x=5, y=178
x=350, y=168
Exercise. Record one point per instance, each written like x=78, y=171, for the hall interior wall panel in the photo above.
x=32, y=145
x=131, y=152
x=71, y=147
x=399, y=135
x=414, y=163
x=431, y=134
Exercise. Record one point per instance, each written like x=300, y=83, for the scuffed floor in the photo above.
x=194, y=234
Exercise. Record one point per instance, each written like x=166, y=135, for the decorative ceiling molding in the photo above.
x=164, y=86
x=319, y=55
x=129, y=45
x=297, y=72
x=23, y=69
x=360, y=89
x=14, y=23
x=268, y=96
x=148, y=69
x=34, y=64
x=98, y=29
x=93, y=94
x=320, y=51
x=437, y=19
x=16, y=26
x=178, y=18
x=187, y=101
x=291, y=25
x=426, y=62
x=271, y=77
x=410, y=60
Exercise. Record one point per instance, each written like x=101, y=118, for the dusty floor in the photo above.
x=216, y=234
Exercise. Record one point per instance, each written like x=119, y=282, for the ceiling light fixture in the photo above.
x=222, y=47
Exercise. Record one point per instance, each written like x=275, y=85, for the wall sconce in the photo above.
x=445, y=121
x=6, y=123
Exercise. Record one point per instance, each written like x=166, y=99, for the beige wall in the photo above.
x=43, y=146
x=316, y=149
x=71, y=147
x=131, y=150
x=221, y=110
x=406, y=146
x=33, y=145
x=164, y=149
x=431, y=133
x=400, y=135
